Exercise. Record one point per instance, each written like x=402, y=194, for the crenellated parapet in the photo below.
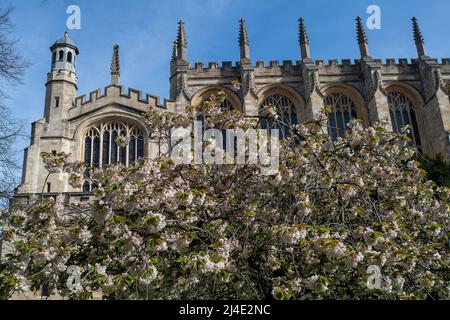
x=229, y=69
x=117, y=95
x=287, y=67
x=119, y=91
x=341, y=66
x=213, y=69
x=370, y=73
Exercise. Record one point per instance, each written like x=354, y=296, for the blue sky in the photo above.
x=145, y=31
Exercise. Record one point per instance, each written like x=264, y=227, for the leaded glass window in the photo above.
x=224, y=105
x=340, y=110
x=285, y=109
x=101, y=148
x=403, y=114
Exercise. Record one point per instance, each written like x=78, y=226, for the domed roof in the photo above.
x=65, y=41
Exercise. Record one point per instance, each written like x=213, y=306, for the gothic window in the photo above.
x=224, y=105
x=61, y=55
x=403, y=114
x=340, y=110
x=286, y=110
x=101, y=147
x=69, y=57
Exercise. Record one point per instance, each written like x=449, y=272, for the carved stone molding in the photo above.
x=432, y=81
x=310, y=74
x=248, y=84
x=373, y=80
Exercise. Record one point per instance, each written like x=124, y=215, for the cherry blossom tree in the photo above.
x=334, y=211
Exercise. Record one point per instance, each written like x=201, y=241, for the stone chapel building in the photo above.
x=414, y=93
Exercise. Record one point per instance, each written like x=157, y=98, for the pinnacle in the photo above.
x=418, y=38
x=243, y=35
x=361, y=33
x=115, y=64
x=302, y=34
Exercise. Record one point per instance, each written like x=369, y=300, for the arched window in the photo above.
x=61, y=55
x=69, y=57
x=340, y=110
x=286, y=110
x=54, y=57
x=103, y=148
x=403, y=114
x=225, y=104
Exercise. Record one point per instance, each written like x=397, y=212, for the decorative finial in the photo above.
x=181, y=42
x=115, y=66
x=418, y=38
x=362, y=38
x=361, y=33
x=303, y=39
x=181, y=38
x=243, y=35
x=244, y=43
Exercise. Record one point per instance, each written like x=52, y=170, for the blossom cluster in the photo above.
x=160, y=230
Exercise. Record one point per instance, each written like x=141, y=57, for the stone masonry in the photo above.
x=306, y=83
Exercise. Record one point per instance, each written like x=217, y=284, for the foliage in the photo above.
x=158, y=230
x=12, y=67
x=437, y=170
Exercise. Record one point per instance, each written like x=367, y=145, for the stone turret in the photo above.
x=61, y=82
x=51, y=134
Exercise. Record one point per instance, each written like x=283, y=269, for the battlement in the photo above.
x=286, y=65
x=338, y=63
x=401, y=62
x=133, y=95
x=213, y=65
x=203, y=74
x=217, y=69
